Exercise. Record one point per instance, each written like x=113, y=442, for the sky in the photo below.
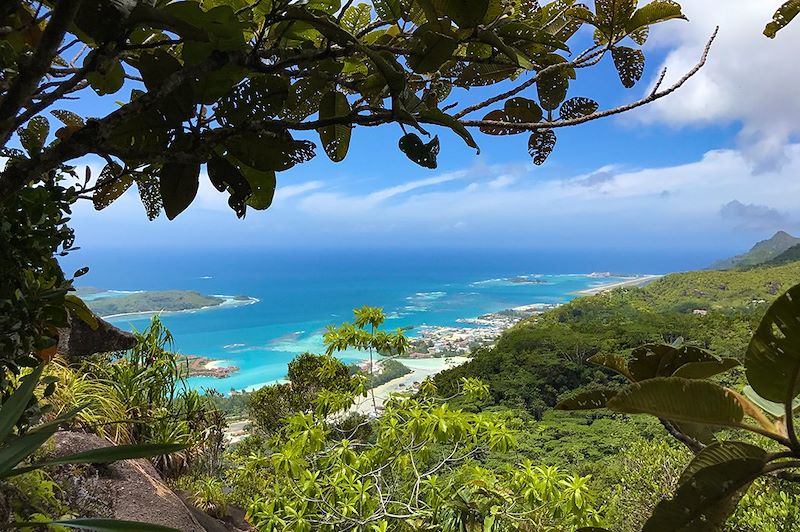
x=715, y=165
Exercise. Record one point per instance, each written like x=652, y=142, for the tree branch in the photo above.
x=29, y=77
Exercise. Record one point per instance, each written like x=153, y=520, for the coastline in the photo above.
x=633, y=281
x=228, y=301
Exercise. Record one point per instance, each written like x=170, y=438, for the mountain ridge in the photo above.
x=762, y=252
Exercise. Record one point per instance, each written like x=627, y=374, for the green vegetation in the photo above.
x=168, y=300
x=790, y=255
x=762, y=253
x=390, y=370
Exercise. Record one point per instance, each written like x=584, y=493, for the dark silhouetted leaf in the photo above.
x=466, y=13
x=336, y=138
x=577, y=107
x=34, y=134
x=704, y=370
x=612, y=362
x=611, y=16
x=772, y=361
x=515, y=110
x=96, y=524
x=258, y=98
x=419, y=152
x=178, y=184
x=270, y=152
x=68, y=118
x=225, y=176
x=149, y=193
x=434, y=44
x=435, y=116
x=541, y=144
x=78, y=308
x=111, y=184
x=629, y=63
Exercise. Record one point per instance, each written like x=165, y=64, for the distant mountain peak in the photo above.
x=761, y=253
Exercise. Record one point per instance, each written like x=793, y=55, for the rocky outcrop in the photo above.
x=80, y=340
x=130, y=489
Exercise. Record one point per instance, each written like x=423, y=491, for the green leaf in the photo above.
x=587, y=400
x=258, y=98
x=772, y=361
x=335, y=138
x=706, y=498
x=612, y=362
x=704, y=370
x=541, y=144
x=718, y=453
x=34, y=134
x=552, y=89
x=270, y=152
x=681, y=400
x=105, y=455
x=111, y=184
x=263, y=185
x=13, y=408
x=772, y=408
x=782, y=17
x=653, y=13
x=179, y=183
x=629, y=63
x=225, y=176
x=68, y=118
x=390, y=10
x=646, y=360
x=435, y=116
x=611, y=16
x=433, y=44
x=578, y=107
x=356, y=18
x=419, y=152
x=516, y=110
x=76, y=305
x=107, y=81
x=105, y=525
x=466, y=13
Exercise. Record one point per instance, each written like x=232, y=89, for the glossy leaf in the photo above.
x=782, y=17
x=705, y=499
x=612, y=362
x=178, y=184
x=541, y=145
x=772, y=361
x=653, y=13
x=704, y=370
x=587, y=400
x=719, y=453
x=681, y=400
x=335, y=138
x=78, y=308
x=772, y=408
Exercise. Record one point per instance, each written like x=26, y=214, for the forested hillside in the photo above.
x=761, y=253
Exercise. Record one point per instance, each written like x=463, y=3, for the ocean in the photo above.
x=301, y=292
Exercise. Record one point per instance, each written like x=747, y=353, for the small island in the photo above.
x=198, y=366
x=109, y=304
x=525, y=280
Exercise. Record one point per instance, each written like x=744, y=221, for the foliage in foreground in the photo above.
x=419, y=464
x=672, y=383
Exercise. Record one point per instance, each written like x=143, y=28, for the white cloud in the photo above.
x=748, y=80
x=282, y=193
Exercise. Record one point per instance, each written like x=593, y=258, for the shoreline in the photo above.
x=633, y=281
x=228, y=301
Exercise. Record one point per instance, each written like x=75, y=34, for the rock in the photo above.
x=129, y=489
x=80, y=340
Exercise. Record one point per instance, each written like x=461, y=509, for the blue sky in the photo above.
x=713, y=166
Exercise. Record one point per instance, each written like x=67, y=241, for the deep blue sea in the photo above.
x=301, y=292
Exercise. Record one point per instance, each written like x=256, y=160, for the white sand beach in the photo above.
x=421, y=368
x=633, y=281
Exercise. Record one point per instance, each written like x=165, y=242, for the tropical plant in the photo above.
x=672, y=383
x=15, y=448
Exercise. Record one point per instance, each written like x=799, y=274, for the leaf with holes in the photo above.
x=552, y=89
x=178, y=184
x=390, y=10
x=259, y=98
x=629, y=63
x=709, y=489
x=782, y=17
x=611, y=16
x=578, y=107
x=772, y=361
x=270, y=152
x=433, y=45
x=466, y=13
x=34, y=135
x=587, y=400
x=225, y=176
x=335, y=138
x=419, y=152
x=111, y=184
x=516, y=110
x=149, y=193
x=653, y=13
x=68, y=118
x=613, y=362
x=541, y=144
x=681, y=400
x=356, y=18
